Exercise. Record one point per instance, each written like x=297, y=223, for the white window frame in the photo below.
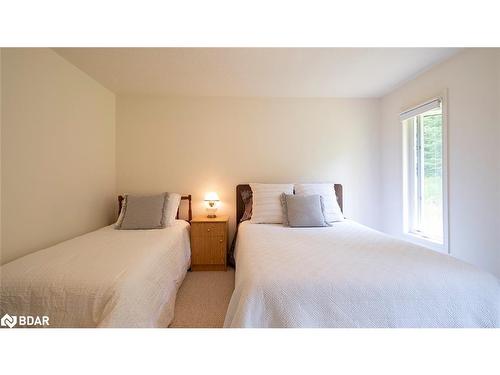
x=408, y=180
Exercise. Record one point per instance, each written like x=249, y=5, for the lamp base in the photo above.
x=211, y=211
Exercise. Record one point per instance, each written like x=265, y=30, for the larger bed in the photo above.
x=348, y=275
x=106, y=278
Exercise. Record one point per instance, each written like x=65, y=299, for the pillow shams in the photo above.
x=173, y=202
x=148, y=212
x=327, y=191
x=266, y=208
x=303, y=210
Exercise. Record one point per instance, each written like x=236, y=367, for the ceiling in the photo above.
x=268, y=72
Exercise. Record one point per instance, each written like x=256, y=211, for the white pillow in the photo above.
x=173, y=202
x=327, y=191
x=266, y=205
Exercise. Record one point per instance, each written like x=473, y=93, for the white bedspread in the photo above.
x=349, y=275
x=106, y=278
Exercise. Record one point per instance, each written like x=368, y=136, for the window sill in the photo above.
x=425, y=242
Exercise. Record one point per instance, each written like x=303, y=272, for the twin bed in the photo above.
x=344, y=275
x=106, y=278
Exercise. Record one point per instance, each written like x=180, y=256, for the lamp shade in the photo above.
x=212, y=196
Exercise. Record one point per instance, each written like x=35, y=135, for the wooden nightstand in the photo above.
x=209, y=239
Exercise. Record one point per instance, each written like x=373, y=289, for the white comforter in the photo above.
x=348, y=275
x=106, y=278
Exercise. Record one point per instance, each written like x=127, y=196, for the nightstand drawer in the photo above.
x=208, y=250
x=208, y=229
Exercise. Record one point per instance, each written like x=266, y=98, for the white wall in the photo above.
x=195, y=145
x=473, y=82
x=58, y=152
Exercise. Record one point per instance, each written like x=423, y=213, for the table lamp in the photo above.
x=211, y=198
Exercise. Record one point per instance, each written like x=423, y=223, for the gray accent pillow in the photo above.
x=143, y=212
x=303, y=210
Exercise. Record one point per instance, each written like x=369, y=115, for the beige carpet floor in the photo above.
x=202, y=299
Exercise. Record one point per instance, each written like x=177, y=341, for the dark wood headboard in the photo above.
x=240, y=206
x=183, y=197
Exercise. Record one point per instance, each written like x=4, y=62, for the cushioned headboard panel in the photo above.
x=240, y=206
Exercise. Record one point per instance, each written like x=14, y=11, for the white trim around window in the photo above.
x=412, y=169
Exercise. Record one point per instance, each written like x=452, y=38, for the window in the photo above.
x=425, y=177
